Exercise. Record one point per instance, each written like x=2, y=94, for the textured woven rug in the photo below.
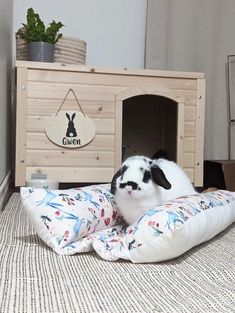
x=35, y=279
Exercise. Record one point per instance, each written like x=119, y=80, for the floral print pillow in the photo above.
x=169, y=230
x=62, y=217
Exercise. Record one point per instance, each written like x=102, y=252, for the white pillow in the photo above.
x=62, y=217
x=169, y=230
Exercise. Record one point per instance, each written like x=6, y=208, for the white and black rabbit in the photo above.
x=143, y=183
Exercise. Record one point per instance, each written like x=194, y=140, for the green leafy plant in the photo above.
x=35, y=30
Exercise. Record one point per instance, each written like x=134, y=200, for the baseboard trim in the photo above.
x=5, y=191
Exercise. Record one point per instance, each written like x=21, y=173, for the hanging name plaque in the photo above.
x=70, y=129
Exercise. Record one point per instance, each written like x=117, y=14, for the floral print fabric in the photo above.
x=86, y=219
x=62, y=217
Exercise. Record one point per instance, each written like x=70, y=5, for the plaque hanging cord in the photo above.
x=79, y=105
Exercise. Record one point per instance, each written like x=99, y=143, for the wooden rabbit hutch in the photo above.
x=134, y=112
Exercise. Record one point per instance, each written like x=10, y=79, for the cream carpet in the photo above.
x=34, y=279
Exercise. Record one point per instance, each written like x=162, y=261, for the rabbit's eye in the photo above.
x=123, y=169
x=141, y=168
x=147, y=176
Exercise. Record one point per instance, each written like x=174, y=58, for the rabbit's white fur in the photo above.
x=134, y=196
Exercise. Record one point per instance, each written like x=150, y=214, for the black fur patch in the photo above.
x=122, y=185
x=132, y=184
x=129, y=183
x=119, y=173
x=147, y=176
x=113, y=182
x=123, y=169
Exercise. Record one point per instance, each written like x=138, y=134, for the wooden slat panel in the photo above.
x=70, y=175
x=83, y=92
x=21, y=126
x=109, y=80
x=123, y=71
x=118, y=134
x=190, y=114
x=69, y=158
x=163, y=91
x=189, y=129
x=98, y=109
x=188, y=95
x=189, y=159
x=180, y=135
x=199, y=132
x=38, y=124
x=189, y=144
x=40, y=141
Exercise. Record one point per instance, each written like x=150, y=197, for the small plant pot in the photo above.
x=41, y=51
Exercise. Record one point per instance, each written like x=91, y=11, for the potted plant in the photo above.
x=41, y=39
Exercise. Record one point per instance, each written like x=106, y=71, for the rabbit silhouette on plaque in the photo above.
x=71, y=131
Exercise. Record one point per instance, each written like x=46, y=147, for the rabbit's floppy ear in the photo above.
x=113, y=182
x=119, y=173
x=73, y=116
x=159, y=177
x=68, y=117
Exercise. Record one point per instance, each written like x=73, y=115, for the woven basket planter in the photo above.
x=67, y=50
x=70, y=50
x=22, y=50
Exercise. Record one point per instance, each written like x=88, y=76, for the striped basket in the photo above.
x=22, y=50
x=68, y=50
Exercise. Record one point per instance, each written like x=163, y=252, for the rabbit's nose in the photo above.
x=129, y=189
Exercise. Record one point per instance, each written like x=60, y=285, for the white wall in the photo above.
x=6, y=9
x=113, y=29
x=190, y=35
